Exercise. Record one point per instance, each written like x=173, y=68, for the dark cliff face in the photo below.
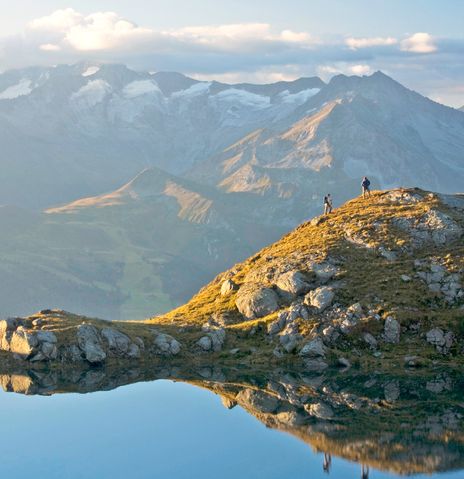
x=399, y=423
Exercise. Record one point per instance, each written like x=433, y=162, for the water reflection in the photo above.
x=406, y=424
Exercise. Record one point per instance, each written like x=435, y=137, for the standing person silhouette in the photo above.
x=327, y=204
x=366, y=191
x=364, y=472
x=327, y=462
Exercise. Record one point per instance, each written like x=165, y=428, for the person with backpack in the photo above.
x=366, y=191
x=327, y=204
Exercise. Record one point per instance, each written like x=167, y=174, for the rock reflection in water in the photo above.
x=405, y=424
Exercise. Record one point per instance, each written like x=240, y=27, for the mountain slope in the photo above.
x=353, y=127
x=145, y=247
x=390, y=266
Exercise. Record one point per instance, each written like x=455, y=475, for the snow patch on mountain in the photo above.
x=22, y=88
x=91, y=94
x=91, y=71
x=139, y=88
x=298, y=98
x=242, y=97
x=193, y=91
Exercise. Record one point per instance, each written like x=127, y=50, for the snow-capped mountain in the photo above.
x=354, y=126
x=95, y=126
x=78, y=130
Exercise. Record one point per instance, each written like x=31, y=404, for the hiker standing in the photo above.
x=327, y=204
x=366, y=191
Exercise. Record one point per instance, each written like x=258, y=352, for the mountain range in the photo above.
x=217, y=170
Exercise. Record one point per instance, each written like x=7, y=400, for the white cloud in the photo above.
x=419, y=43
x=327, y=71
x=357, y=43
x=360, y=69
x=98, y=31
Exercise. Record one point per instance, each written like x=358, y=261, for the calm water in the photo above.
x=155, y=429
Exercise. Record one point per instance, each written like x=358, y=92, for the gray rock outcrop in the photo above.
x=255, y=301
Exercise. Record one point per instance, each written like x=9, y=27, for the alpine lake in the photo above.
x=209, y=421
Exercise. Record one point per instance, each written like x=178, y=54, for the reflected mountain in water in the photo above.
x=403, y=424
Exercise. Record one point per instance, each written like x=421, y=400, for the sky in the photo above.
x=418, y=42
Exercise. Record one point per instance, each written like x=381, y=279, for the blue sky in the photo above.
x=418, y=42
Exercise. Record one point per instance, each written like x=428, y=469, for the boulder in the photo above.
x=228, y=287
x=118, y=343
x=436, y=337
x=205, y=343
x=258, y=400
x=166, y=345
x=49, y=350
x=320, y=298
x=391, y=331
x=293, y=282
x=370, y=340
x=276, y=326
x=23, y=342
x=324, y=271
x=320, y=410
x=133, y=351
x=432, y=227
x=256, y=301
x=46, y=336
x=89, y=343
x=313, y=349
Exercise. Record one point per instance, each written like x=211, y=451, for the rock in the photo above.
x=228, y=287
x=355, y=310
x=320, y=298
x=293, y=282
x=343, y=362
x=405, y=278
x=213, y=340
x=256, y=301
x=46, y=336
x=205, y=343
x=73, y=353
x=49, y=350
x=441, y=340
x=258, y=400
x=315, y=365
x=330, y=334
x=9, y=325
x=432, y=227
x=313, y=349
x=320, y=410
x=276, y=326
x=234, y=351
x=228, y=403
x=89, y=342
x=23, y=342
x=436, y=337
x=388, y=254
x=391, y=331
x=166, y=345
x=290, y=337
x=118, y=343
x=348, y=324
x=133, y=351
x=413, y=361
x=370, y=340
x=391, y=391
x=324, y=271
